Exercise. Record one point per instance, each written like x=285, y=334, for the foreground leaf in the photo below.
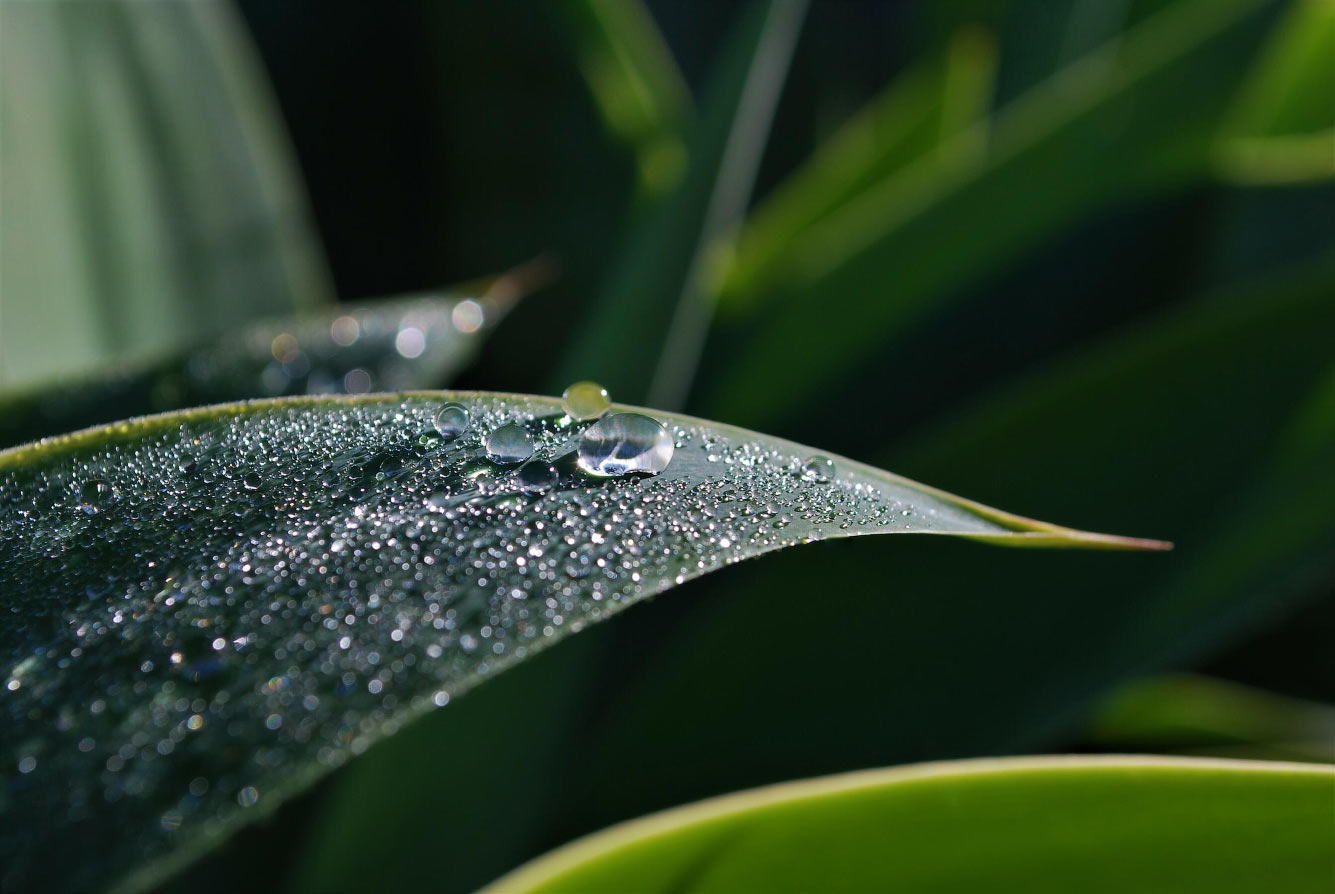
x=210, y=609
x=1057, y=824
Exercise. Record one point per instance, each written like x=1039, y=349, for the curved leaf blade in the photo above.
x=213, y=608
x=1034, y=824
x=403, y=344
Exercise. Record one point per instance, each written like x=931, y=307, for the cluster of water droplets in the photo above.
x=206, y=611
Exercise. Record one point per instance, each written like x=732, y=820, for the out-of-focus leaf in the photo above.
x=653, y=309
x=921, y=113
x=405, y=344
x=1282, y=129
x=1142, y=112
x=1189, y=712
x=1058, y=824
x=1288, y=90
x=213, y=608
x=149, y=197
x=635, y=82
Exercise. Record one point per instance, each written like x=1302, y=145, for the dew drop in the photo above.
x=819, y=469
x=95, y=496
x=585, y=400
x=452, y=421
x=509, y=443
x=625, y=442
x=536, y=476
x=252, y=481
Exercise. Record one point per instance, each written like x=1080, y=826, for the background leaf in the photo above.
x=407, y=344
x=914, y=239
x=148, y=190
x=1044, y=824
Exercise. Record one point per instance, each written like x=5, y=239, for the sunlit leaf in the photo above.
x=211, y=609
x=1057, y=824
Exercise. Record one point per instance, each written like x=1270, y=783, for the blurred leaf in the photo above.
x=1140, y=113
x=1058, y=824
x=1282, y=129
x=652, y=307
x=920, y=114
x=213, y=608
x=148, y=190
x=635, y=82
x=1190, y=712
x=1288, y=90
x=404, y=344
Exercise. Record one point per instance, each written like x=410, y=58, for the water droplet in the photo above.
x=509, y=443
x=625, y=442
x=452, y=421
x=819, y=469
x=585, y=400
x=95, y=496
x=252, y=481
x=536, y=476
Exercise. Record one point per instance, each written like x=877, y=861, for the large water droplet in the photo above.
x=509, y=443
x=625, y=442
x=95, y=496
x=819, y=469
x=585, y=400
x=536, y=476
x=452, y=421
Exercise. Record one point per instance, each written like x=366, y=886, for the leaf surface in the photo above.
x=211, y=609
x=1056, y=824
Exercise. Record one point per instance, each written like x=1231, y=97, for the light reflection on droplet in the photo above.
x=619, y=443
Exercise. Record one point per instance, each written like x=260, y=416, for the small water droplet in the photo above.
x=509, y=443
x=819, y=469
x=252, y=481
x=536, y=476
x=625, y=442
x=95, y=496
x=452, y=420
x=585, y=400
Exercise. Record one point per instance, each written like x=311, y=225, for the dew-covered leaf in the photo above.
x=207, y=610
x=1090, y=824
x=403, y=344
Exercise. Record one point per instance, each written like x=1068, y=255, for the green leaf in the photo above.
x=1282, y=129
x=920, y=114
x=403, y=344
x=868, y=272
x=1058, y=824
x=211, y=609
x=1198, y=714
x=653, y=308
x=149, y=194
x=634, y=80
